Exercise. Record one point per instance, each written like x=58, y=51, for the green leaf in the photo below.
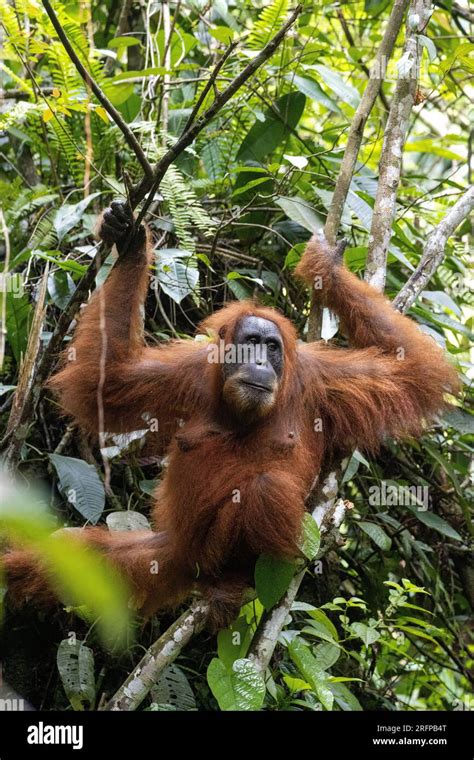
x=223, y=34
x=153, y=71
x=60, y=288
x=75, y=664
x=243, y=688
x=122, y=42
x=326, y=655
x=309, y=668
x=416, y=632
x=118, y=93
x=366, y=633
x=311, y=539
x=265, y=136
x=431, y=520
x=460, y=420
x=177, y=273
x=313, y=90
x=174, y=690
x=351, y=469
x=345, y=698
x=296, y=684
x=377, y=534
x=127, y=520
x=148, y=486
x=360, y=208
x=433, y=147
x=300, y=211
x=320, y=620
x=429, y=45
x=79, y=575
x=449, y=469
x=6, y=389
x=272, y=578
x=69, y=215
x=55, y=257
x=81, y=486
x=249, y=186
x=270, y=19
x=344, y=91
x=442, y=298
x=233, y=642
x=19, y=316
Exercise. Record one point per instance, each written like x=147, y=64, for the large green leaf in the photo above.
x=81, y=486
x=320, y=620
x=436, y=523
x=241, y=688
x=75, y=664
x=174, y=690
x=272, y=578
x=377, y=534
x=302, y=212
x=265, y=136
x=344, y=91
x=233, y=642
x=326, y=655
x=19, y=316
x=60, y=288
x=344, y=698
x=365, y=632
x=460, y=420
x=177, y=273
x=69, y=215
x=80, y=576
x=311, y=671
x=313, y=90
x=311, y=538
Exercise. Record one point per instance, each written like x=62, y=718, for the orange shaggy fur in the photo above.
x=229, y=494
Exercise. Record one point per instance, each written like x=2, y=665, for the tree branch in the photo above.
x=393, y=144
x=111, y=110
x=329, y=513
x=364, y=67
x=161, y=654
x=354, y=140
x=209, y=84
x=18, y=94
x=433, y=251
x=356, y=131
x=164, y=650
x=19, y=431
x=455, y=9
x=122, y=27
x=4, y=285
x=189, y=135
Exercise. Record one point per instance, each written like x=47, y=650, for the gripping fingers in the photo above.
x=116, y=223
x=122, y=211
x=116, y=227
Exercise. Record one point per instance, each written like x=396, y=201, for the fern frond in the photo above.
x=270, y=20
x=67, y=146
x=15, y=40
x=185, y=209
x=44, y=235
